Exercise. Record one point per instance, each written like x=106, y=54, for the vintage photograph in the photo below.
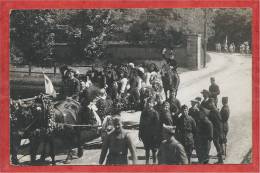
x=166, y=86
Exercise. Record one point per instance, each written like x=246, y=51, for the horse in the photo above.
x=49, y=120
x=170, y=79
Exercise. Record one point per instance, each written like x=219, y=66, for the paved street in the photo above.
x=233, y=75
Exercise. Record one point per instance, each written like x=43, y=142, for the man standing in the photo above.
x=205, y=102
x=204, y=136
x=149, y=130
x=171, y=152
x=194, y=112
x=215, y=119
x=214, y=91
x=186, y=130
x=117, y=142
x=70, y=86
x=224, y=113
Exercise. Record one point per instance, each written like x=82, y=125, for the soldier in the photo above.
x=224, y=113
x=171, y=151
x=186, y=130
x=194, y=112
x=205, y=136
x=117, y=142
x=149, y=130
x=205, y=101
x=214, y=90
x=70, y=86
x=215, y=119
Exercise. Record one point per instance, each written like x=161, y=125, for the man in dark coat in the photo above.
x=149, y=130
x=70, y=86
x=205, y=102
x=171, y=151
x=194, y=112
x=186, y=130
x=224, y=113
x=117, y=142
x=204, y=136
x=215, y=119
x=214, y=90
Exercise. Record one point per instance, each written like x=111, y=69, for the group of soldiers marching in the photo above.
x=243, y=48
x=170, y=130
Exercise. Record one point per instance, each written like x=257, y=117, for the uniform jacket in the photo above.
x=205, y=104
x=215, y=119
x=224, y=113
x=214, y=90
x=172, y=152
x=186, y=129
x=205, y=129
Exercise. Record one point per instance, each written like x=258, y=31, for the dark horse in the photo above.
x=42, y=121
x=170, y=80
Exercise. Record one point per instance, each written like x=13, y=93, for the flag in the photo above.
x=226, y=43
x=49, y=89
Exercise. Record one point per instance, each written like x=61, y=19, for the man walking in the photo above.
x=117, y=142
x=171, y=151
x=185, y=131
x=224, y=113
x=215, y=119
x=149, y=130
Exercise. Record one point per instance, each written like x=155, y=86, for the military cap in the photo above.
x=212, y=78
x=198, y=99
x=225, y=99
x=204, y=91
x=194, y=101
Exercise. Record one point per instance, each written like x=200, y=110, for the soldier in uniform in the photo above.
x=194, y=112
x=204, y=136
x=215, y=119
x=186, y=130
x=149, y=130
x=214, y=90
x=70, y=86
x=171, y=151
x=117, y=142
x=205, y=102
x=224, y=113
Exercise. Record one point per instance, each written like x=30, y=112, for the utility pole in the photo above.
x=205, y=38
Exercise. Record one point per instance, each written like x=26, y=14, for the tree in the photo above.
x=235, y=24
x=29, y=33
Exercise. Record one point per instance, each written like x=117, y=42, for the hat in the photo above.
x=141, y=69
x=212, y=78
x=169, y=129
x=198, y=99
x=131, y=64
x=225, y=99
x=194, y=101
x=204, y=92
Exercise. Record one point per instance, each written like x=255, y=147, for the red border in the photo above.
x=6, y=6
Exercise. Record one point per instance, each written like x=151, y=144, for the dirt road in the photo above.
x=233, y=74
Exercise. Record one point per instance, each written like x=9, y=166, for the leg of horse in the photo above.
x=68, y=138
x=147, y=156
x=43, y=154
x=33, y=149
x=79, y=143
x=52, y=151
x=15, y=143
x=154, y=156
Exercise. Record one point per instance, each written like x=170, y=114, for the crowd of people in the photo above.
x=243, y=48
x=167, y=128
